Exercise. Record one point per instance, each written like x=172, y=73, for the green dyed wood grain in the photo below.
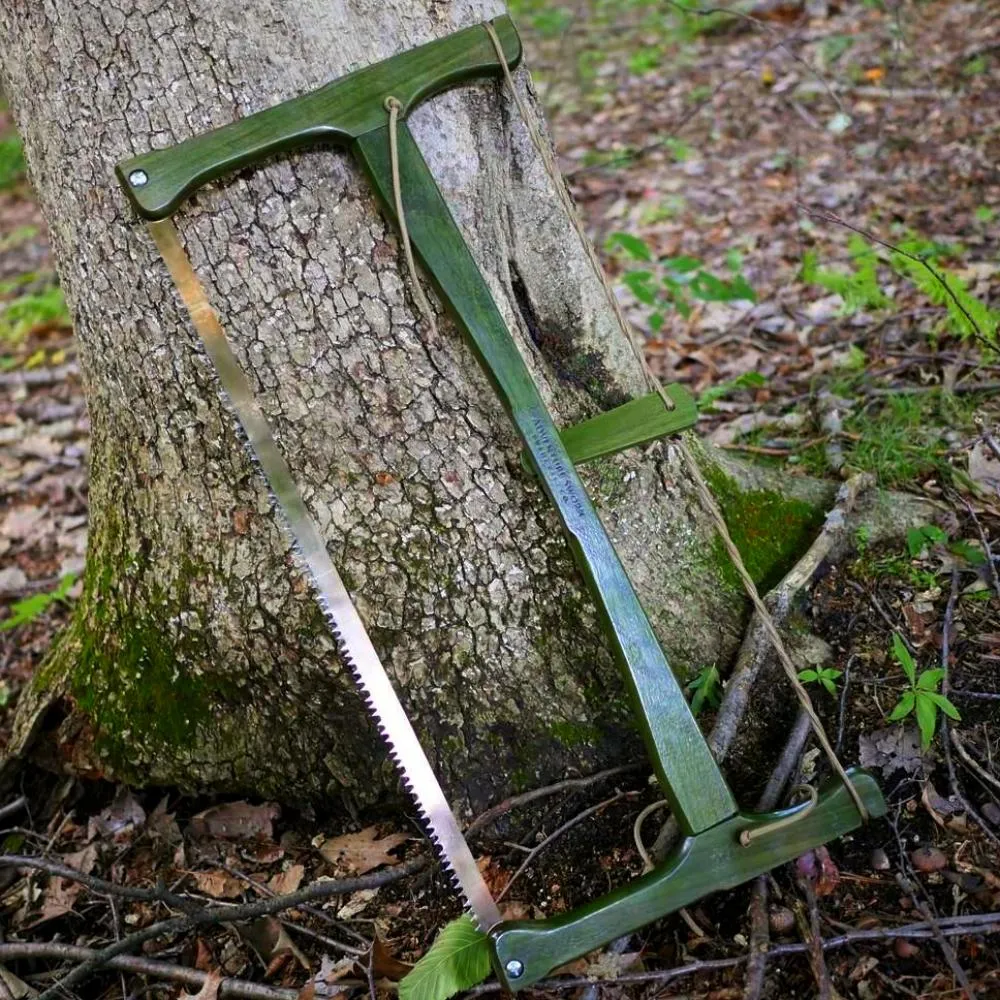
x=709, y=862
x=691, y=780
x=334, y=114
x=633, y=423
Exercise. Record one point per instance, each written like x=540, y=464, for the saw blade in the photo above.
x=352, y=637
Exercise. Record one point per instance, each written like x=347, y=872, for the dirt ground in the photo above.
x=839, y=161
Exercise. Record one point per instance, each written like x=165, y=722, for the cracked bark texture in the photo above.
x=197, y=657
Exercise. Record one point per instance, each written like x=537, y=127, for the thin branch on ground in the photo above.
x=994, y=576
x=158, y=895
x=756, y=650
x=989, y=441
x=167, y=971
x=907, y=880
x=814, y=938
x=946, y=630
x=229, y=914
x=780, y=41
x=973, y=765
x=569, y=784
x=312, y=911
x=760, y=941
x=759, y=929
x=568, y=825
x=13, y=807
x=842, y=705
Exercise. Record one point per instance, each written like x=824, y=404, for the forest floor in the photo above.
x=802, y=215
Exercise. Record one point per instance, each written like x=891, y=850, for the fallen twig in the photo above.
x=986, y=546
x=972, y=763
x=13, y=807
x=567, y=785
x=568, y=825
x=946, y=628
x=814, y=939
x=227, y=914
x=40, y=376
x=12, y=951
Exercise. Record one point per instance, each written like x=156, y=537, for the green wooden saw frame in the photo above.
x=351, y=112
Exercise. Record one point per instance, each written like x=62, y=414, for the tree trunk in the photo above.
x=197, y=656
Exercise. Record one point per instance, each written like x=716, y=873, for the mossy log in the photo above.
x=196, y=656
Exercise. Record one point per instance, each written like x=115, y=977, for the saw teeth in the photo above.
x=452, y=876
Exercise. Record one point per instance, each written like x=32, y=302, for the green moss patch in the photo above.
x=135, y=674
x=770, y=530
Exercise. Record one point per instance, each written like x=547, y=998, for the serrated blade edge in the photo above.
x=349, y=630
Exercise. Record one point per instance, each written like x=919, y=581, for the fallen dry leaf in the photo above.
x=83, y=861
x=120, y=820
x=984, y=467
x=59, y=899
x=270, y=940
x=361, y=852
x=385, y=965
x=236, y=821
x=357, y=903
x=218, y=885
x=817, y=866
x=287, y=881
x=208, y=991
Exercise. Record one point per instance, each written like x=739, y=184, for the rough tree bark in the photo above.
x=196, y=656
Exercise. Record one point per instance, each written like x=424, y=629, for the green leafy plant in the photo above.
x=11, y=161
x=748, y=380
x=458, y=959
x=705, y=689
x=858, y=286
x=677, y=282
x=23, y=314
x=918, y=539
x=916, y=260
x=826, y=676
x=923, y=698
x=966, y=314
x=27, y=610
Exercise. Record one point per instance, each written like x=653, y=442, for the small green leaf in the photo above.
x=903, y=657
x=638, y=283
x=705, y=689
x=828, y=684
x=915, y=542
x=458, y=959
x=903, y=709
x=930, y=680
x=944, y=704
x=972, y=555
x=926, y=718
x=632, y=245
x=681, y=265
x=807, y=676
